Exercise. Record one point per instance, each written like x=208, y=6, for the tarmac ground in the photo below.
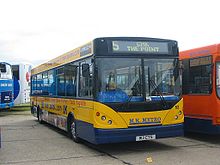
x=24, y=141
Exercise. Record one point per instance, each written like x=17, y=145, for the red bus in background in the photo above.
x=201, y=89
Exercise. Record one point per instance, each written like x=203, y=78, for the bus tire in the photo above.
x=72, y=129
x=39, y=115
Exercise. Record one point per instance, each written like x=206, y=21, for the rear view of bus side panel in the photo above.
x=199, y=89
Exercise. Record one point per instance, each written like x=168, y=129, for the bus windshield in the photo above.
x=129, y=79
x=5, y=71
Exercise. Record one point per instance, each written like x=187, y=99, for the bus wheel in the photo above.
x=39, y=115
x=73, y=131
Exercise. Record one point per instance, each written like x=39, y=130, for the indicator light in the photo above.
x=97, y=114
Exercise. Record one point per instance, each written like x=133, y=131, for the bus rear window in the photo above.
x=3, y=68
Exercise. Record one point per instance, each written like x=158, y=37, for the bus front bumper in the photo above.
x=136, y=134
x=6, y=105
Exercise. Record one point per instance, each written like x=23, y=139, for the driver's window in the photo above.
x=85, y=81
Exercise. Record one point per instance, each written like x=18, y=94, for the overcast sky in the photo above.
x=38, y=30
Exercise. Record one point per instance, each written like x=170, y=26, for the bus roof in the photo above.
x=87, y=50
x=1, y=62
x=80, y=52
x=201, y=51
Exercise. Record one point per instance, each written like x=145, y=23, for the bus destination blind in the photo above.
x=140, y=47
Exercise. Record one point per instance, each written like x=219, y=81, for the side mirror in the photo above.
x=85, y=70
x=3, y=68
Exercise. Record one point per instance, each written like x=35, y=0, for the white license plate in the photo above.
x=145, y=137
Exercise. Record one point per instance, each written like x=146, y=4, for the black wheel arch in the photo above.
x=70, y=118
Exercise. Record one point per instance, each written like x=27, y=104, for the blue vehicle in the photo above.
x=6, y=86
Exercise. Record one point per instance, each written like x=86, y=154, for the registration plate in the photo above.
x=145, y=137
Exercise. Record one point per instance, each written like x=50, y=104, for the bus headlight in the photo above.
x=176, y=117
x=180, y=113
x=103, y=118
x=109, y=122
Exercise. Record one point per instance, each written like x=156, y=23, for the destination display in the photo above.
x=207, y=60
x=140, y=47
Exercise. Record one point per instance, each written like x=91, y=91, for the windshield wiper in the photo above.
x=126, y=103
x=154, y=85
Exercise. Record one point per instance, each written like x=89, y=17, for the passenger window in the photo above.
x=45, y=84
x=60, y=82
x=39, y=84
x=70, y=79
x=218, y=78
x=66, y=79
x=51, y=83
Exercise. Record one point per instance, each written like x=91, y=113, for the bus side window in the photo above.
x=185, y=76
x=60, y=82
x=45, y=84
x=33, y=85
x=197, y=74
x=51, y=83
x=39, y=84
x=70, y=79
x=3, y=68
x=218, y=78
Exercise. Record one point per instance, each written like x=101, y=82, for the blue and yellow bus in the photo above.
x=112, y=89
x=6, y=86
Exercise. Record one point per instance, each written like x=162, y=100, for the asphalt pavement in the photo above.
x=25, y=141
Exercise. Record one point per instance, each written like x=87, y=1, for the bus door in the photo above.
x=197, y=87
x=85, y=105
